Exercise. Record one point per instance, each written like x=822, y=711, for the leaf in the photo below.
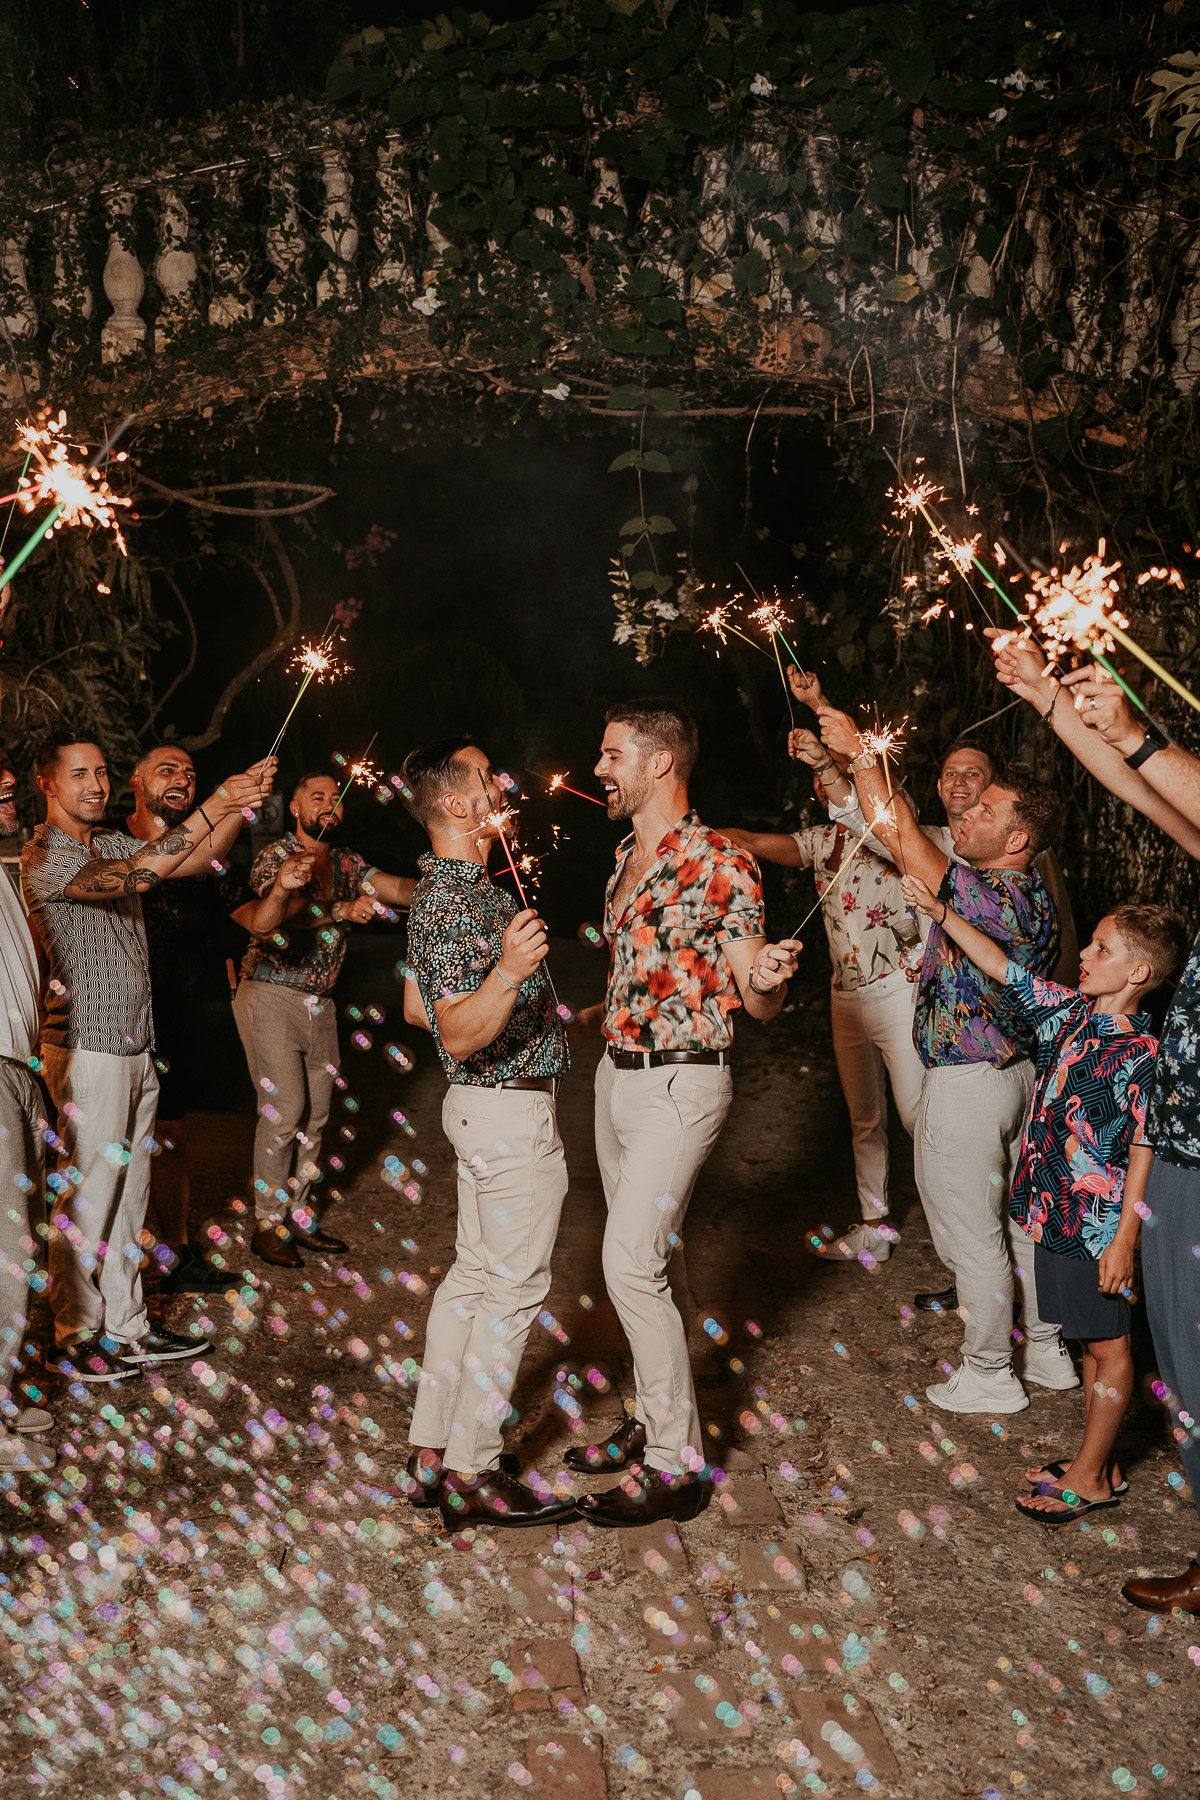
x=632, y=528
x=626, y=460
x=910, y=75
x=901, y=287
x=941, y=259
x=888, y=190
x=655, y=463
x=658, y=524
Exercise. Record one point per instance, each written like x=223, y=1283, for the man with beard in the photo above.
x=475, y=980
x=22, y=1155
x=83, y=886
x=183, y=922
x=684, y=918
x=310, y=891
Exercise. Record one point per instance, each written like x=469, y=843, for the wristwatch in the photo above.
x=1155, y=739
x=867, y=759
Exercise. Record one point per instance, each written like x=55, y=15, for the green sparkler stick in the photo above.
x=27, y=549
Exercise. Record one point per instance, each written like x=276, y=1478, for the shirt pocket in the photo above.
x=670, y=927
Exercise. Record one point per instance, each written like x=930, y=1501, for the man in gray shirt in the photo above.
x=83, y=886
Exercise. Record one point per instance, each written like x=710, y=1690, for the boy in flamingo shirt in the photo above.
x=1082, y=1167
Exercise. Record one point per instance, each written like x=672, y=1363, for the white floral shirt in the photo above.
x=870, y=930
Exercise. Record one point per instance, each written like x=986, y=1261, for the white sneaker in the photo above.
x=863, y=1243
x=971, y=1390
x=1049, y=1365
x=16, y=1455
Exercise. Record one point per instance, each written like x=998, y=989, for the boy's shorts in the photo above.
x=1068, y=1294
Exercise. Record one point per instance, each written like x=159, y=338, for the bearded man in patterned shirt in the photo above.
x=683, y=915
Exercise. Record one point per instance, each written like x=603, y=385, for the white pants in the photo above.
x=873, y=1032
x=106, y=1106
x=512, y=1181
x=655, y=1129
x=965, y=1146
x=291, y=1044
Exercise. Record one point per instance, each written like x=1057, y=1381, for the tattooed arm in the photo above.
x=188, y=849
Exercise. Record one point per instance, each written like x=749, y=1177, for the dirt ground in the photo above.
x=218, y=1590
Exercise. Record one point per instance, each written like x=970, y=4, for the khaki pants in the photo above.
x=106, y=1110
x=22, y=1206
x=655, y=1129
x=965, y=1146
x=873, y=1039
x=512, y=1181
x=291, y=1046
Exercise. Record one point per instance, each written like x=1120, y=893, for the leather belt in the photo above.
x=655, y=1059
x=533, y=1084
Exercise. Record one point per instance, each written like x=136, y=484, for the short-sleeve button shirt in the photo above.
x=1094, y=1072
x=98, y=996
x=306, y=959
x=962, y=1015
x=865, y=918
x=456, y=925
x=670, y=986
x=1173, y=1118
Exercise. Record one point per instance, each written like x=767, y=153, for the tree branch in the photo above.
x=191, y=661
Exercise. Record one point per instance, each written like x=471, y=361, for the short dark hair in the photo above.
x=428, y=771
x=50, y=748
x=977, y=749
x=313, y=775
x=1152, y=934
x=153, y=749
x=660, y=724
x=1036, y=808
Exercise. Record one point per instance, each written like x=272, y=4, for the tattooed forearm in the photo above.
x=171, y=843
x=111, y=881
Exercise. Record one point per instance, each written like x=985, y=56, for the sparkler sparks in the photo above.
x=319, y=664
x=882, y=817
x=60, y=506
x=717, y=621
x=559, y=785
x=78, y=494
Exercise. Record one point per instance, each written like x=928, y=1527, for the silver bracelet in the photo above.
x=763, y=993
x=514, y=985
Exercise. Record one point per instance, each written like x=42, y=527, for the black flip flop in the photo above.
x=1056, y=1470
x=1077, y=1506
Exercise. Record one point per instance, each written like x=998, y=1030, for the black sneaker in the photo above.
x=162, y=1346
x=99, y=1360
x=194, y=1274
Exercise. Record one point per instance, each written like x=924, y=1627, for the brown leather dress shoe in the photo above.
x=274, y=1244
x=1166, y=1593
x=314, y=1237
x=422, y=1485
x=498, y=1499
x=644, y=1496
x=617, y=1452
x=944, y=1301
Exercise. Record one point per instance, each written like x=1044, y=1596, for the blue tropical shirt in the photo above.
x=1173, y=1120
x=962, y=1015
x=1094, y=1072
x=457, y=920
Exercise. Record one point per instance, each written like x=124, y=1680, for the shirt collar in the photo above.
x=450, y=868
x=1137, y=1024
x=678, y=834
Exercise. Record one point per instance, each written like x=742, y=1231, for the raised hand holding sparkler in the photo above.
x=500, y=819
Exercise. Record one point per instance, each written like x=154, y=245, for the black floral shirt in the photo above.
x=1173, y=1119
x=307, y=959
x=455, y=926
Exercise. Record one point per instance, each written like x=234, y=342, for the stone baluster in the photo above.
x=927, y=259
x=394, y=223
x=124, y=283
x=766, y=159
x=1185, y=324
x=660, y=239
x=229, y=257
x=1085, y=295
x=286, y=296
x=980, y=283
x=1139, y=314
x=1041, y=277
x=715, y=230
x=336, y=284
x=175, y=269
x=822, y=217
x=607, y=196
x=71, y=303
x=20, y=318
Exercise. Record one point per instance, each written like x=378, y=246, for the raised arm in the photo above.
x=1169, y=795
x=983, y=951
x=766, y=846
x=393, y=890
x=114, y=877
x=283, y=903
x=890, y=818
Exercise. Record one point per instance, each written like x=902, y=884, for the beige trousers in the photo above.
x=107, y=1106
x=512, y=1181
x=22, y=1206
x=872, y=1039
x=291, y=1046
x=969, y=1126
x=655, y=1129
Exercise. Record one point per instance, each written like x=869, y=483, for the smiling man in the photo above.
x=978, y=1065
x=84, y=888
x=683, y=916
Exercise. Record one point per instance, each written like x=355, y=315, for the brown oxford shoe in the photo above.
x=498, y=1499
x=624, y=1446
x=314, y=1237
x=1166, y=1593
x=274, y=1244
x=644, y=1496
x=422, y=1485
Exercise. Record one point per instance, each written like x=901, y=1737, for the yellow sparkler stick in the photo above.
x=835, y=887
x=1155, y=667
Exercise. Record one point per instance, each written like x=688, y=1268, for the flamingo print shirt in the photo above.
x=1094, y=1072
x=670, y=986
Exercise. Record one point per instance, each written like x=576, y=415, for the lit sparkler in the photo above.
x=834, y=887
x=318, y=663
x=500, y=819
x=717, y=621
x=78, y=495
x=364, y=773
x=884, y=744
x=558, y=784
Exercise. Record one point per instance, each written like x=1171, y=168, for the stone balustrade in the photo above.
x=118, y=263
